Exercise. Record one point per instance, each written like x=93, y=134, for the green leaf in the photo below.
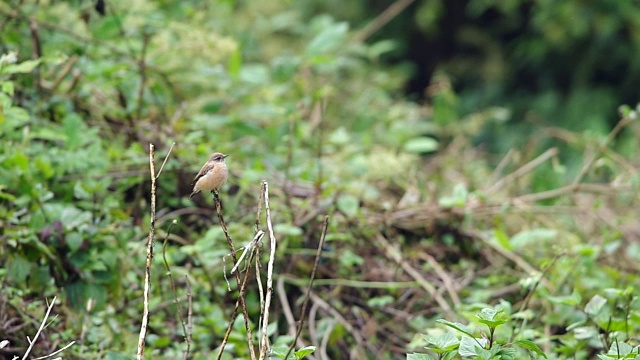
x=585, y=332
x=492, y=318
x=416, y=356
x=594, y=305
x=531, y=346
x=573, y=299
x=470, y=346
x=287, y=229
x=74, y=241
x=457, y=199
x=18, y=268
x=422, y=144
x=21, y=68
x=456, y=325
x=340, y=136
x=280, y=351
x=73, y=128
x=444, y=343
x=80, y=192
x=502, y=238
x=349, y=205
x=328, y=40
x=303, y=352
x=235, y=63
x=380, y=301
x=7, y=87
x=536, y=236
x=621, y=348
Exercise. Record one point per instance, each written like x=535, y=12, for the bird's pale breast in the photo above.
x=213, y=179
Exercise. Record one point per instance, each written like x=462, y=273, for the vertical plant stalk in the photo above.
x=603, y=145
x=241, y=299
x=269, y=290
x=174, y=289
x=305, y=303
x=189, y=318
x=147, y=272
x=142, y=66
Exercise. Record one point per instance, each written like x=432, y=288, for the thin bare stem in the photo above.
x=165, y=159
x=44, y=321
x=189, y=317
x=523, y=170
x=310, y=286
x=267, y=301
x=381, y=20
x=394, y=254
x=142, y=65
x=241, y=300
x=147, y=272
x=603, y=145
x=56, y=352
x=173, y=285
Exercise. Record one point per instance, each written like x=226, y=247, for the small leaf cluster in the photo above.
x=470, y=345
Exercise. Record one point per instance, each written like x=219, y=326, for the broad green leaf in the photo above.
x=594, y=305
x=21, y=68
x=471, y=346
x=457, y=199
x=18, y=268
x=340, y=136
x=73, y=128
x=573, y=299
x=79, y=191
x=74, y=240
x=502, y=238
x=7, y=87
x=443, y=343
x=456, y=325
x=585, y=332
x=620, y=348
x=235, y=63
x=423, y=144
x=303, y=352
x=349, y=205
x=531, y=346
x=280, y=351
x=492, y=318
x=416, y=356
x=380, y=301
x=287, y=229
x=328, y=40
x=535, y=236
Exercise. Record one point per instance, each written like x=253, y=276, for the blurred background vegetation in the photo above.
x=481, y=146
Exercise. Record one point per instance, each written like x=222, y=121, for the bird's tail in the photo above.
x=193, y=193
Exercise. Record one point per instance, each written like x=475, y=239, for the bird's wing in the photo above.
x=205, y=169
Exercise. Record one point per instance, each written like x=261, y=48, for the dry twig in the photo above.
x=147, y=272
x=242, y=284
x=42, y=325
x=267, y=301
x=394, y=254
x=310, y=286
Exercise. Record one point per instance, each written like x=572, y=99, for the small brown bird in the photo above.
x=212, y=175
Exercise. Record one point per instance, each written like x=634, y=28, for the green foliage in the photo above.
x=469, y=345
x=280, y=351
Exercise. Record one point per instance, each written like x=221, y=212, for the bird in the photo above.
x=212, y=175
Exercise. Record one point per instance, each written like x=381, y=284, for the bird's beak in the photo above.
x=224, y=156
